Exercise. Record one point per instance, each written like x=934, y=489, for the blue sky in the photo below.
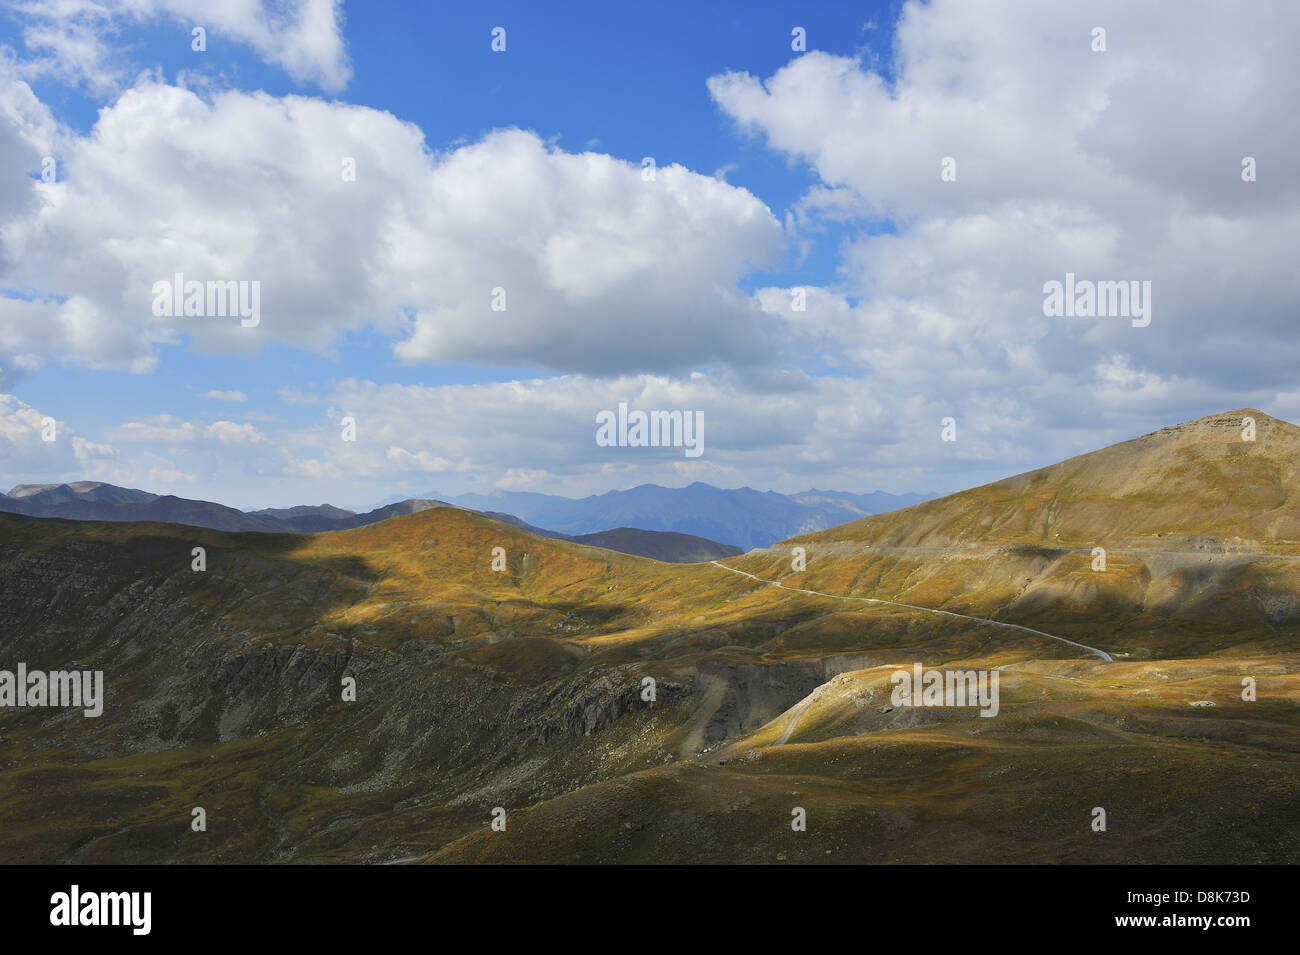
x=925, y=296
x=621, y=80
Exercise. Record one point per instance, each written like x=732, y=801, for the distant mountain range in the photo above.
x=699, y=522
x=93, y=501
x=742, y=517
x=659, y=545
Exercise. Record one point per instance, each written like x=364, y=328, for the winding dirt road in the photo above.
x=947, y=613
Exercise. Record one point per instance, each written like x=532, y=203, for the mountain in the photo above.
x=464, y=673
x=876, y=502
x=698, y=522
x=92, y=501
x=659, y=545
x=742, y=517
x=325, y=517
x=1190, y=523
x=625, y=710
x=1198, y=484
x=325, y=511
x=52, y=495
x=1177, y=552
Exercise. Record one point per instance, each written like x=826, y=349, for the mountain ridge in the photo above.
x=743, y=517
x=98, y=501
x=702, y=521
x=1159, y=486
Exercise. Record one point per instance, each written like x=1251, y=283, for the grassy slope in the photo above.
x=520, y=689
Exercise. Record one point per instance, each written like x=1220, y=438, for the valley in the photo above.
x=525, y=688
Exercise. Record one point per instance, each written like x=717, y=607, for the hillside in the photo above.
x=498, y=668
x=1193, y=484
x=658, y=545
x=224, y=685
x=1199, y=537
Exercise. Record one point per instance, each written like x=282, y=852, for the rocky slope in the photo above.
x=496, y=668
